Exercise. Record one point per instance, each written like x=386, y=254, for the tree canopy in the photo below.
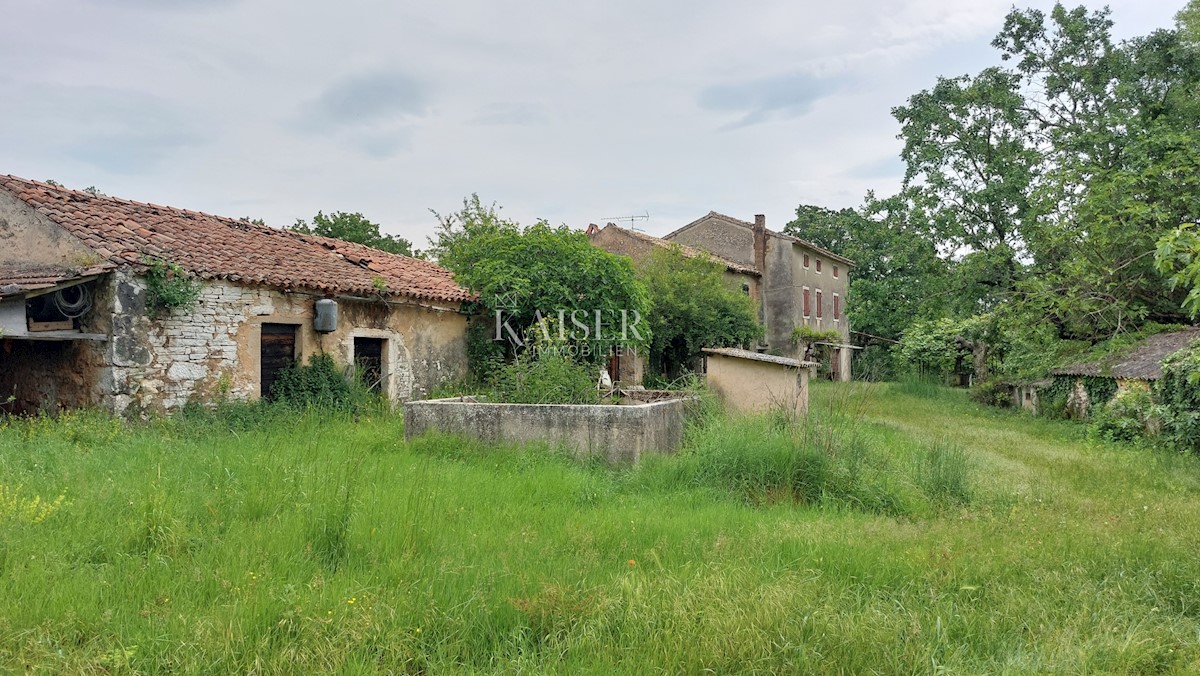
x=524, y=274
x=354, y=227
x=1054, y=191
x=694, y=308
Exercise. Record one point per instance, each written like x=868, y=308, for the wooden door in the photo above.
x=277, y=352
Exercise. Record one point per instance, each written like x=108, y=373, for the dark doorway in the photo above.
x=368, y=357
x=277, y=352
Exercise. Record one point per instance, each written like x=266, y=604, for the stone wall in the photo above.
x=619, y=434
x=783, y=283
x=212, y=350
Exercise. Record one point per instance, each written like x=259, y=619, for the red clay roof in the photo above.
x=23, y=280
x=216, y=247
x=686, y=250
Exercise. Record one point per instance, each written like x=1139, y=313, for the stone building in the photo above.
x=801, y=284
x=76, y=326
x=639, y=246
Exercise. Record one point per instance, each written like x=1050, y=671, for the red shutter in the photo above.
x=818, y=265
x=837, y=306
x=806, y=260
x=818, y=303
x=835, y=271
x=806, y=312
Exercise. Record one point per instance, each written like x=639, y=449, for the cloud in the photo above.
x=513, y=114
x=368, y=100
x=789, y=95
x=168, y=5
x=890, y=166
x=118, y=130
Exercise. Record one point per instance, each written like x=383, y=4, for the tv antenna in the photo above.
x=632, y=219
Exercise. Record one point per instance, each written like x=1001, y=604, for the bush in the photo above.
x=1130, y=416
x=546, y=376
x=992, y=392
x=320, y=383
x=1179, y=392
x=875, y=364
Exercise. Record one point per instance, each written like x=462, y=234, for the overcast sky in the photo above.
x=573, y=112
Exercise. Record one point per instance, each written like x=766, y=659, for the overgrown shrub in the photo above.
x=485, y=355
x=992, y=392
x=169, y=288
x=874, y=364
x=545, y=376
x=319, y=383
x=1130, y=416
x=1179, y=393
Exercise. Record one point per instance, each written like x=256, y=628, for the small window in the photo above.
x=818, y=265
x=819, y=309
x=746, y=289
x=835, y=271
x=806, y=260
x=837, y=307
x=806, y=308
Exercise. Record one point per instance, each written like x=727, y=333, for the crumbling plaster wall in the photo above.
x=213, y=349
x=30, y=240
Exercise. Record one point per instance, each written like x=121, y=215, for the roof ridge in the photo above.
x=124, y=231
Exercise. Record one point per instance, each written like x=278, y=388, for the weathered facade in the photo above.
x=397, y=316
x=629, y=368
x=801, y=284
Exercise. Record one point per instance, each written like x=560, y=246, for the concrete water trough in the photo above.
x=644, y=422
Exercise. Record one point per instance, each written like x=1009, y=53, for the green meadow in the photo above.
x=896, y=530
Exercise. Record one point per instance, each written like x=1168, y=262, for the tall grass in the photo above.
x=318, y=542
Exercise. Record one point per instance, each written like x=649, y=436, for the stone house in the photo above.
x=638, y=246
x=800, y=283
x=76, y=327
x=1134, y=368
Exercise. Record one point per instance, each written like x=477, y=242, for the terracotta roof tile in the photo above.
x=16, y=281
x=216, y=247
x=685, y=249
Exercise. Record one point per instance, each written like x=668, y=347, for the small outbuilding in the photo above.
x=82, y=323
x=753, y=382
x=1133, y=368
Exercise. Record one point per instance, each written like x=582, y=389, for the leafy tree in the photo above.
x=969, y=169
x=898, y=276
x=1045, y=182
x=354, y=227
x=525, y=274
x=694, y=308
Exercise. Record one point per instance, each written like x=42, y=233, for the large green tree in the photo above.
x=524, y=274
x=1046, y=181
x=354, y=227
x=694, y=308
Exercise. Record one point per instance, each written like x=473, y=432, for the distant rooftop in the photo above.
x=759, y=356
x=686, y=250
x=1141, y=361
